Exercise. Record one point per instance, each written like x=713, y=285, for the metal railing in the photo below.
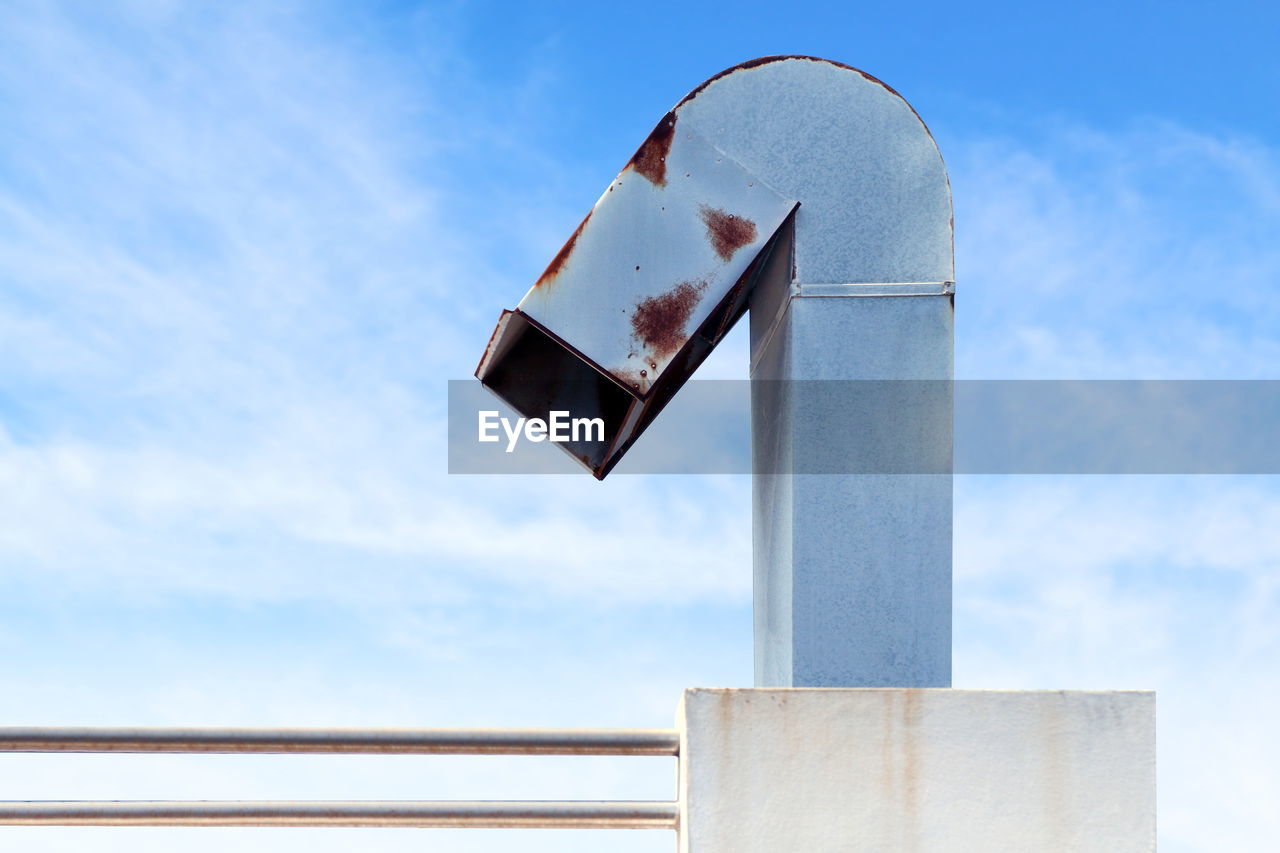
x=501, y=813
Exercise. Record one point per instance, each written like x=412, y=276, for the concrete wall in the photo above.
x=924, y=771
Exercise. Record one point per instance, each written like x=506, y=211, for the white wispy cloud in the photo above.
x=1145, y=252
x=233, y=310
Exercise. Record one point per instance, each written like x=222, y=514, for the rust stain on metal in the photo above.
x=631, y=378
x=727, y=233
x=650, y=161
x=562, y=256
x=659, y=321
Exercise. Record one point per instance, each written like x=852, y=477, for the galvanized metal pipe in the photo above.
x=370, y=741
x=544, y=814
x=852, y=569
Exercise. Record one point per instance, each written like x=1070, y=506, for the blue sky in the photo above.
x=244, y=245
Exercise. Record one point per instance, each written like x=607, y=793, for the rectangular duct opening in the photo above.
x=536, y=373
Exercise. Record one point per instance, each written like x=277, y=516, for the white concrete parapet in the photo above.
x=925, y=771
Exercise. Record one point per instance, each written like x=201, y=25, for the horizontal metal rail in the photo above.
x=615, y=815
x=370, y=741
x=545, y=815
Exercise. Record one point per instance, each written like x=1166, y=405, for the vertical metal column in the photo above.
x=852, y=570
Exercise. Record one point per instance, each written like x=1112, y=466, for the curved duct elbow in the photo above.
x=778, y=174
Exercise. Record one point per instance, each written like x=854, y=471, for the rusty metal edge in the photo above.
x=783, y=57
